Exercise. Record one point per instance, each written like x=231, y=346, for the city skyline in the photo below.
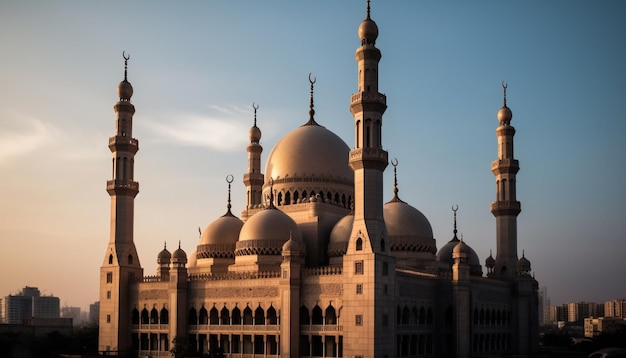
x=196, y=69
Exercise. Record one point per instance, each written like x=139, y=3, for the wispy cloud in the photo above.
x=30, y=135
x=226, y=131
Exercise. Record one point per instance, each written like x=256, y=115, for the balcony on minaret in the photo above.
x=507, y=207
x=123, y=144
x=371, y=158
x=506, y=165
x=368, y=101
x=122, y=187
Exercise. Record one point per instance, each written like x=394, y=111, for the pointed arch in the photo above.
x=331, y=315
x=429, y=316
x=316, y=316
x=271, y=316
x=224, y=316
x=154, y=316
x=259, y=316
x=214, y=317
x=145, y=317
x=236, y=319
x=164, y=316
x=247, y=315
x=422, y=315
x=135, y=316
x=406, y=315
x=204, y=316
x=305, y=319
x=193, y=317
x=111, y=259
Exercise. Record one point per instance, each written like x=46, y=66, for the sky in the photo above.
x=197, y=67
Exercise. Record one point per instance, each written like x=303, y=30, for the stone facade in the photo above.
x=318, y=265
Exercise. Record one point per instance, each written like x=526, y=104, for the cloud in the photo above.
x=226, y=132
x=31, y=135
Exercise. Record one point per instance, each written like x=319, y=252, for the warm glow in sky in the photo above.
x=197, y=67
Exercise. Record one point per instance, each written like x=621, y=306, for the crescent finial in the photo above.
x=394, y=162
x=312, y=80
x=125, y=56
x=255, y=106
x=455, y=208
x=230, y=178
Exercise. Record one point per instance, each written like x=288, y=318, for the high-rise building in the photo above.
x=27, y=304
x=318, y=265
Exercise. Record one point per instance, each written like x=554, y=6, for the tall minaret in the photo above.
x=506, y=207
x=368, y=160
x=253, y=179
x=121, y=263
x=369, y=309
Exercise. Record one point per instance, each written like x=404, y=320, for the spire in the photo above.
x=396, y=198
x=504, y=86
x=255, y=106
x=229, y=179
x=311, y=110
x=126, y=58
x=271, y=205
x=368, y=10
x=455, y=209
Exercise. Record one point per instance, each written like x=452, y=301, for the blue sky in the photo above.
x=197, y=67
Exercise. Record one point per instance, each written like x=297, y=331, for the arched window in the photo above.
x=398, y=315
x=304, y=195
x=359, y=244
x=337, y=198
x=475, y=318
x=236, y=316
x=154, y=316
x=488, y=316
x=406, y=315
x=358, y=134
x=378, y=134
x=280, y=199
x=382, y=245
x=225, y=319
x=331, y=316
x=214, y=317
x=247, y=316
x=193, y=317
x=429, y=316
x=164, y=316
x=422, y=315
x=295, y=197
x=415, y=316
x=259, y=316
x=135, y=316
x=343, y=200
x=304, y=316
x=271, y=316
x=317, y=315
x=145, y=318
x=204, y=316
x=111, y=259
x=287, y=198
x=130, y=259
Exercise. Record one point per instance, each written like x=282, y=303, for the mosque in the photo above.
x=317, y=265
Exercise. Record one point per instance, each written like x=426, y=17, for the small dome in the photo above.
x=224, y=230
x=340, y=236
x=505, y=115
x=523, y=265
x=265, y=233
x=255, y=134
x=368, y=32
x=402, y=219
x=125, y=90
x=446, y=251
x=164, y=256
x=291, y=245
x=193, y=260
x=490, y=262
x=179, y=256
x=461, y=249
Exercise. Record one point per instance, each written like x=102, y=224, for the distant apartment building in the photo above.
x=72, y=312
x=615, y=308
x=595, y=326
x=578, y=311
x=559, y=313
x=544, y=306
x=94, y=312
x=27, y=304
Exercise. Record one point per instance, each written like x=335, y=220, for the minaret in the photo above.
x=506, y=207
x=121, y=263
x=368, y=160
x=253, y=179
x=369, y=308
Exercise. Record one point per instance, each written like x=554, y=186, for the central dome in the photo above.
x=309, y=151
x=310, y=162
